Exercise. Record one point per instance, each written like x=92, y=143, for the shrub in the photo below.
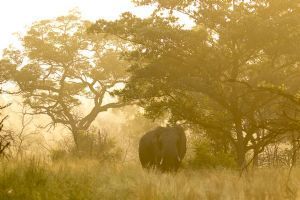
x=205, y=156
x=91, y=145
x=58, y=154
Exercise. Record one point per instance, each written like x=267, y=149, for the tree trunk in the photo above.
x=255, y=157
x=294, y=151
x=76, y=133
x=241, y=157
x=240, y=146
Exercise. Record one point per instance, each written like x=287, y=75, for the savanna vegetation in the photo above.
x=227, y=71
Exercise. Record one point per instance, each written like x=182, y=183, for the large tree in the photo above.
x=234, y=73
x=59, y=67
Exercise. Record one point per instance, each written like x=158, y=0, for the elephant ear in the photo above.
x=182, y=142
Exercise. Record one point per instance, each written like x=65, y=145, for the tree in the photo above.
x=234, y=73
x=60, y=66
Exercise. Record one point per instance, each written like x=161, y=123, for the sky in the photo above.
x=16, y=15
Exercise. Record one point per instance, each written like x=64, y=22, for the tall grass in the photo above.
x=87, y=179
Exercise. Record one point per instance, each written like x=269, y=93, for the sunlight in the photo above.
x=16, y=15
x=149, y=99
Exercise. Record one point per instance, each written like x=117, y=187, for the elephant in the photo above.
x=163, y=148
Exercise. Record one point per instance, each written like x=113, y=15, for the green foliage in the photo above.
x=7, y=69
x=205, y=156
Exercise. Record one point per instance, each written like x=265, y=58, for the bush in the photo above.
x=91, y=145
x=205, y=156
x=58, y=154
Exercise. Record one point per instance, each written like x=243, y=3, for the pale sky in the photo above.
x=16, y=15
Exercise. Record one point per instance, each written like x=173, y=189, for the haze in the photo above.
x=15, y=15
x=150, y=99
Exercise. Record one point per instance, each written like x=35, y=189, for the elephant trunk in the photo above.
x=169, y=161
x=178, y=158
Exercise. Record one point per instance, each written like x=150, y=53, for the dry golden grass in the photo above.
x=86, y=179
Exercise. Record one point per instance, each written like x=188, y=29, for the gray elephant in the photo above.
x=163, y=148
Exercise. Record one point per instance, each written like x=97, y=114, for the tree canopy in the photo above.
x=59, y=66
x=235, y=73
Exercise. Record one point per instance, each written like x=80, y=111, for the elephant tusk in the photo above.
x=161, y=161
x=178, y=158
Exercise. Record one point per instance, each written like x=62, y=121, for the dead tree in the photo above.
x=6, y=137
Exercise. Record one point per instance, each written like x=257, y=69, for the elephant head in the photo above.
x=171, y=143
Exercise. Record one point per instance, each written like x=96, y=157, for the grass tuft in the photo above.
x=88, y=180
